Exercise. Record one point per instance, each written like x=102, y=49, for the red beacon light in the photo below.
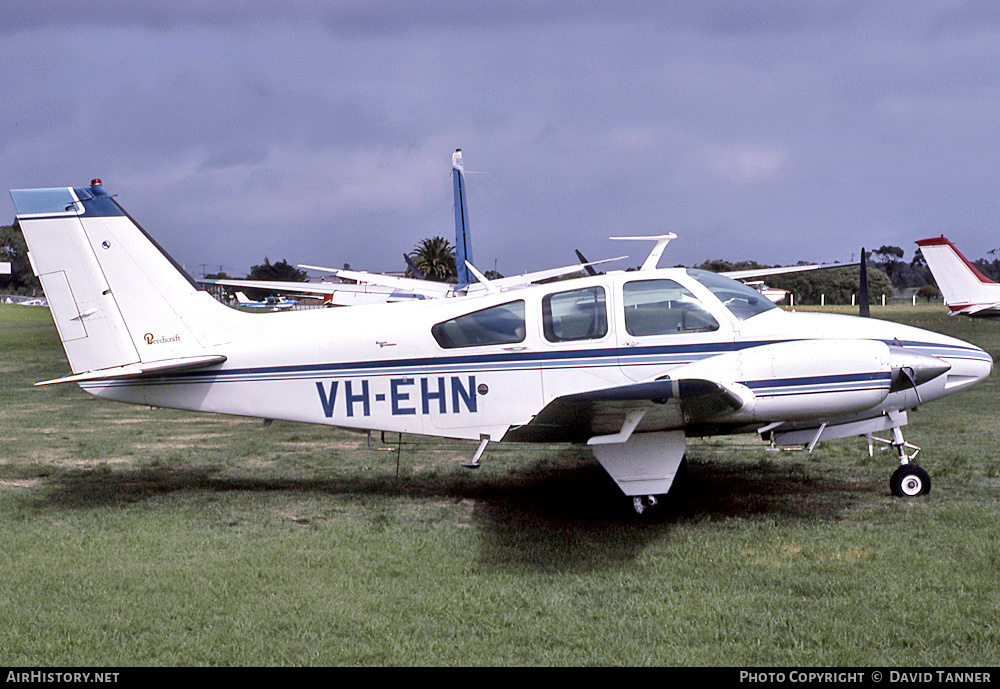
x=95, y=182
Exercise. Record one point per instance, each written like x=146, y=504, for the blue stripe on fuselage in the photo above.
x=672, y=355
x=856, y=382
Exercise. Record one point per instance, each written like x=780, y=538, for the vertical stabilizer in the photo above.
x=964, y=288
x=116, y=297
x=463, y=239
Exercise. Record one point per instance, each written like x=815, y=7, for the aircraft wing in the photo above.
x=278, y=286
x=426, y=288
x=764, y=272
x=604, y=416
x=431, y=289
x=528, y=278
x=343, y=294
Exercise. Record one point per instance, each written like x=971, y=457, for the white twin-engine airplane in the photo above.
x=630, y=363
x=966, y=291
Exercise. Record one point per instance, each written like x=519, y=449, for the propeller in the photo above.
x=590, y=269
x=863, y=286
x=413, y=267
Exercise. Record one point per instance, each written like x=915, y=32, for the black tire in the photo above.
x=910, y=481
x=644, y=505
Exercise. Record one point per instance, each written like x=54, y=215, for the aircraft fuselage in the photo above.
x=487, y=365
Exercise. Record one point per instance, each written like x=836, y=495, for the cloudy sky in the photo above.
x=322, y=132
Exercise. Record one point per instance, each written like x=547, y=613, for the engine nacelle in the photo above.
x=816, y=378
x=807, y=379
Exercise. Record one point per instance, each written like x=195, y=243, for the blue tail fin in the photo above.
x=463, y=238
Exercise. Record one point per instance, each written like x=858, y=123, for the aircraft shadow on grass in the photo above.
x=528, y=519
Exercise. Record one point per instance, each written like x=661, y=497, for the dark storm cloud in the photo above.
x=391, y=16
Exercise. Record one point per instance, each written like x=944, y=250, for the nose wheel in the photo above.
x=644, y=503
x=909, y=481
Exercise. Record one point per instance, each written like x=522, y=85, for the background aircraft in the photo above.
x=353, y=287
x=775, y=294
x=358, y=287
x=630, y=363
x=267, y=304
x=966, y=291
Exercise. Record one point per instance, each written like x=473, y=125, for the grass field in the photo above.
x=132, y=536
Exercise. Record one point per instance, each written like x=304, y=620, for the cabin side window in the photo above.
x=660, y=307
x=579, y=314
x=503, y=324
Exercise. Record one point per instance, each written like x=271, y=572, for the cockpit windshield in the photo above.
x=742, y=301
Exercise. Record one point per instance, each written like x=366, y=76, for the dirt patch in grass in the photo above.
x=20, y=483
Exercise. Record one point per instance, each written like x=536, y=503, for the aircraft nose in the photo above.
x=985, y=364
x=911, y=368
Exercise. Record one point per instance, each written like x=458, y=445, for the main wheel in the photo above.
x=909, y=481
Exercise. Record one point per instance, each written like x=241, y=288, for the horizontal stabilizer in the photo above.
x=976, y=308
x=150, y=368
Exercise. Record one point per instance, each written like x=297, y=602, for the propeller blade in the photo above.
x=863, y=288
x=413, y=267
x=590, y=269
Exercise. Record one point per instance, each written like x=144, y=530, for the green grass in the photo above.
x=134, y=537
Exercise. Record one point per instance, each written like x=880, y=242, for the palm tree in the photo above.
x=435, y=259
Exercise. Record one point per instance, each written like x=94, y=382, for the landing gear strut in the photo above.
x=909, y=480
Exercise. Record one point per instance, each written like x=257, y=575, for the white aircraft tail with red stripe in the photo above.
x=964, y=288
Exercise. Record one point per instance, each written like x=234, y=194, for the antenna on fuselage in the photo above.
x=654, y=256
